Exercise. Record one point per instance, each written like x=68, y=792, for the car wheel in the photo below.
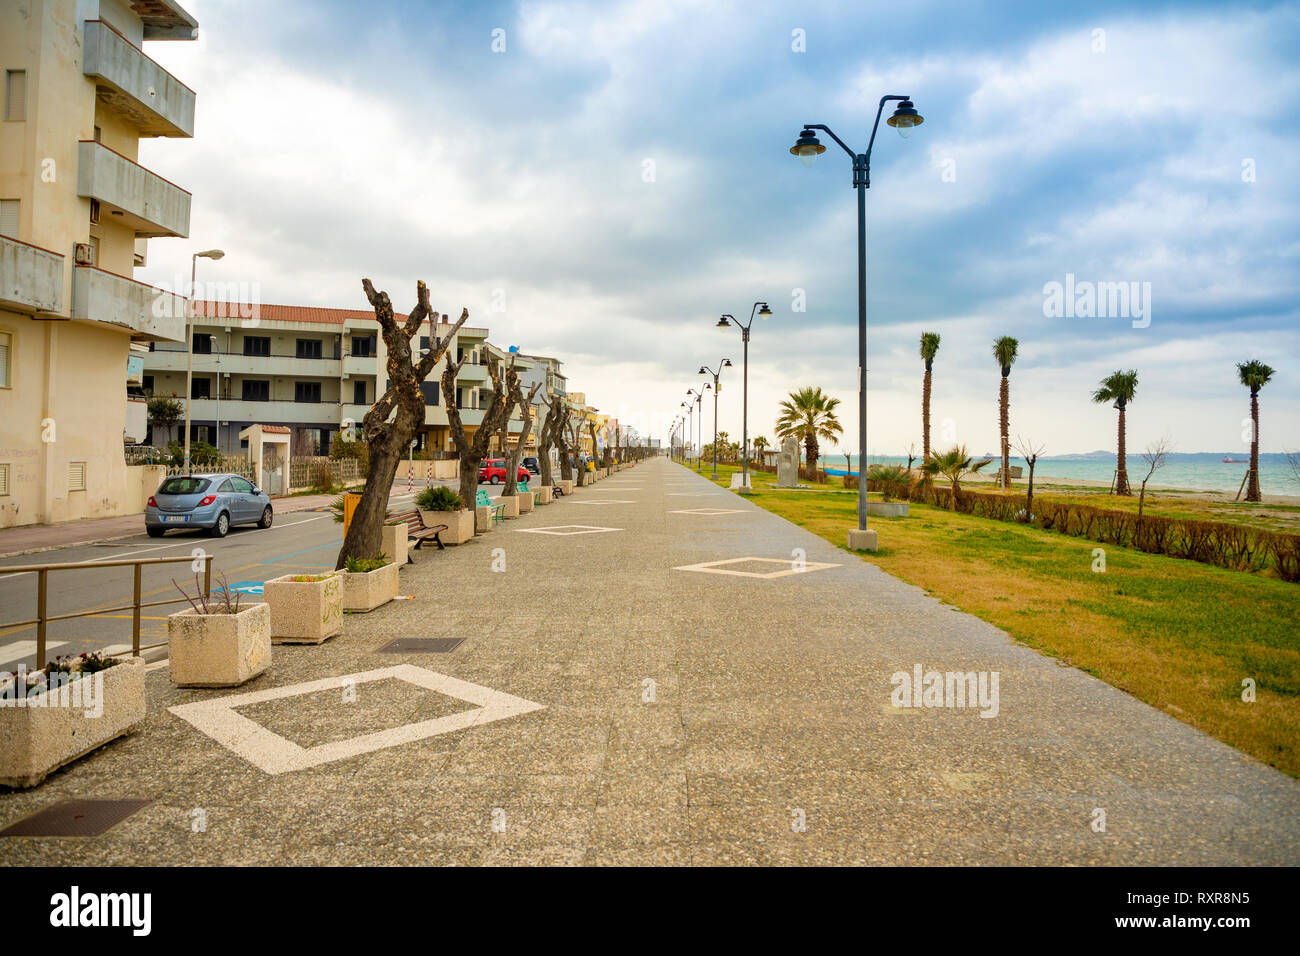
x=155, y=532
x=496, y=480
x=222, y=527
x=267, y=517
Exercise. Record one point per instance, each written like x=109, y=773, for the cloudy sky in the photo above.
x=618, y=175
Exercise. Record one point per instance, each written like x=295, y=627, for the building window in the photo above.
x=146, y=384
x=306, y=391
x=424, y=343
x=6, y=358
x=4, y=479
x=243, y=443
x=309, y=348
x=201, y=388
x=359, y=393
x=256, y=391
x=257, y=345
x=76, y=476
x=9, y=218
x=430, y=390
x=15, y=94
x=204, y=433
x=202, y=343
x=363, y=347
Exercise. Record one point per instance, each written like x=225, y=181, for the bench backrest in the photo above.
x=412, y=518
x=522, y=486
x=482, y=499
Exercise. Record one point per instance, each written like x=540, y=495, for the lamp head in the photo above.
x=905, y=119
x=764, y=311
x=807, y=147
x=703, y=370
x=210, y=254
x=723, y=323
x=726, y=363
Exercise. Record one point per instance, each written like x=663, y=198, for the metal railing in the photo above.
x=42, y=619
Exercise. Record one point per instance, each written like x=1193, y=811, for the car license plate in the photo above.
x=177, y=518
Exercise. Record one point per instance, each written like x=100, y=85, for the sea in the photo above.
x=1200, y=471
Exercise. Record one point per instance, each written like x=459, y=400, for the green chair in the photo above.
x=523, y=489
x=482, y=500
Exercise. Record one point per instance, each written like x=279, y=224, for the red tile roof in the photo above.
x=284, y=313
x=275, y=429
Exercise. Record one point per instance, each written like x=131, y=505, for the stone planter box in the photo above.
x=511, y=505
x=482, y=519
x=460, y=524
x=394, y=542
x=370, y=589
x=525, y=501
x=545, y=494
x=566, y=485
x=36, y=741
x=887, y=509
x=219, y=650
x=305, y=612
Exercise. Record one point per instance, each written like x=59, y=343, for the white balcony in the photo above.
x=267, y=413
x=360, y=365
x=110, y=299
x=172, y=359
x=131, y=195
x=469, y=372
x=31, y=278
x=134, y=85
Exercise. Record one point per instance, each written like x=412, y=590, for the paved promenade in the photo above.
x=621, y=697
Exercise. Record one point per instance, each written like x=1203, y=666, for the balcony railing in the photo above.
x=145, y=201
x=134, y=85
x=111, y=299
x=31, y=278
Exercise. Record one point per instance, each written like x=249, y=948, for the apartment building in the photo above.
x=76, y=209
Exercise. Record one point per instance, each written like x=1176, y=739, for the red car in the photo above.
x=493, y=470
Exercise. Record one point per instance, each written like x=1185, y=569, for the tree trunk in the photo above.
x=810, y=451
x=1252, y=484
x=467, y=471
x=1121, y=464
x=1029, y=498
x=925, y=416
x=1004, y=424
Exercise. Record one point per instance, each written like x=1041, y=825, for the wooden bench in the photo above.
x=417, y=530
x=481, y=500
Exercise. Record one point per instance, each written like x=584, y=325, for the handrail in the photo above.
x=42, y=572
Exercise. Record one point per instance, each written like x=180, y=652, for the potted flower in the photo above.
x=305, y=608
x=217, y=643
x=368, y=583
x=440, y=505
x=53, y=716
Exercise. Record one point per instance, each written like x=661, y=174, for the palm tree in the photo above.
x=1254, y=375
x=929, y=346
x=954, y=464
x=1004, y=350
x=809, y=414
x=759, y=444
x=1117, y=388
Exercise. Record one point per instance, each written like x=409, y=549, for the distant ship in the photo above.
x=1236, y=461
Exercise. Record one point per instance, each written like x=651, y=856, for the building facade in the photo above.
x=76, y=209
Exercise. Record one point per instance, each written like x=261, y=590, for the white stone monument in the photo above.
x=787, y=464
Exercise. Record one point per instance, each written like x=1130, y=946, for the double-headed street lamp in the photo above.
x=807, y=148
x=717, y=387
x=761, y=309
x=698, y=413
x=189, y=350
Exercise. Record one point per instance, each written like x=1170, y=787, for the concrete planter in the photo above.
x=304, y=612
x=525, y=501
x=370, y=589
x=887, y=509
x=219, y=650
x=545, y=494
x=566, y=485
x=460, y=524
x=35, y=741
x=482, y=519
x=509, y=504
x=393, y=542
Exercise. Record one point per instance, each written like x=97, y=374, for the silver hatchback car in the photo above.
x=211, y=502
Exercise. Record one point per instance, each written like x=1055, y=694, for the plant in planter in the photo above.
x=305, y=608
x=368, y=583
x=53, y=716
x=215, y=642
x=440, y=505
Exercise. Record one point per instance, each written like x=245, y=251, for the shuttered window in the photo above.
x=9, y=218
x=15, y=94
x=4, y=479
x=76, y=476
x=6, y=350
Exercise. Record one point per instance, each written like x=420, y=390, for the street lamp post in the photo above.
x=189, y=349
x=717, y=387
x=807, y=148
x=699, y=423
x=764, y=311
x=689, y=405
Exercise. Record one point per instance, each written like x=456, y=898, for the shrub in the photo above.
x=892, y=481
x=438, y=498
x=365, y=565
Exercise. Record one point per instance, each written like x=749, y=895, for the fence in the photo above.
x=226, y=464
x=310, y=471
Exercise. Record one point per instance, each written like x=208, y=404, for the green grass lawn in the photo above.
x=1179, y=635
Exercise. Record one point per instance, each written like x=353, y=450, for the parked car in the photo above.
x=493, y=470
x=213, y=502
x=532, y=465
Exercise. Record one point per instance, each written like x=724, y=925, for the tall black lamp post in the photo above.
x=717, y=387
x=761, y=309
x=807, y=148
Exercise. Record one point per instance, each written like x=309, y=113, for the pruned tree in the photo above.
x=557, y=420
x=546, y=438
x=1156, y=456
x=393, y=419
x=1029, y=452
x=573, y=444
x=495, y=416
x=591, y=432
x=526, y=422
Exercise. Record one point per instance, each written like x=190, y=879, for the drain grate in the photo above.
x=421, y=645
x=75, y=818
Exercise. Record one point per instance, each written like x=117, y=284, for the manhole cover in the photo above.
x=421, y=645
x=75, y=818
